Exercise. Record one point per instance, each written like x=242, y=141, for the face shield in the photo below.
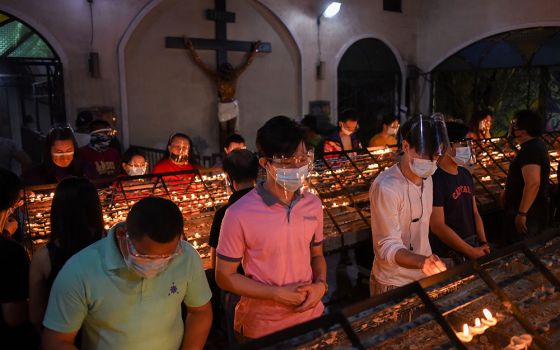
x=428, y=136
x=511, y=130
x=290, y=173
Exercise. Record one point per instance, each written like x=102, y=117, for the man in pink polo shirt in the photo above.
x=276, y=232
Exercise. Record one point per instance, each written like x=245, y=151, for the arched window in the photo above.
x=31, y=84
x=505, y=72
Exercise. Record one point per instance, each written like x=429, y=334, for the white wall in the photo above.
x=424, y=34
x=167, y=92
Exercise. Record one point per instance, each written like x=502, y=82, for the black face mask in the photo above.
x=179, y=158
x=100, y=142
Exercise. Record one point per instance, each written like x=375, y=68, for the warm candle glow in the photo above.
x=477, y=322
x=489, y=320
x=465, y=330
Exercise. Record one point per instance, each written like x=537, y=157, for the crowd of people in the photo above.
x=139, y=285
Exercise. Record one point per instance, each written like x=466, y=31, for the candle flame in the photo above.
x=465, y=329
x=477, y=322
x=487, y=314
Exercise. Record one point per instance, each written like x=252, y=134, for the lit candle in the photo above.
x=478, y=328
x=488, y=320
x=464, y=336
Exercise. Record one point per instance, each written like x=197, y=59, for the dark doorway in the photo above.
x=369, y=80
x=31, y=85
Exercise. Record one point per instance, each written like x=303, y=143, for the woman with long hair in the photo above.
x=76, y=222
x=60, y=158
x=480, y=125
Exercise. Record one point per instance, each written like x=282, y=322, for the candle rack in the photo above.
x=197, y=193
x=340, y=179
x=519, y=284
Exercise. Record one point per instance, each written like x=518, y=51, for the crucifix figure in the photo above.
x=226, y=79
x=225, y=75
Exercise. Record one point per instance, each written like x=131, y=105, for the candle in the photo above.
x=464, y=336
x=478, y=328
x=488, y=320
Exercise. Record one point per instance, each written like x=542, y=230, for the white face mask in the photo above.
x=144, y=267
x=345, y=131
x=423, y=167
x=392, y=131
x=290, y=179
x=136, y=170
x=462, y=156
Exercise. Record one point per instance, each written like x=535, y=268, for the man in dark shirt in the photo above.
x=455, y=219
x=526, y=198
x=15, y=329
x=241, y=167
x=100, y=160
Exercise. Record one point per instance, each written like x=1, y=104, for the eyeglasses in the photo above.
x=179, y=148
x=132, y=251
x=467, y=142
x=294, y=161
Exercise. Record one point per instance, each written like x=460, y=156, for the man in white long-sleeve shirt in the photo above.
x=401, y=204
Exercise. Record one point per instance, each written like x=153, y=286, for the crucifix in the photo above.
x=226, y=75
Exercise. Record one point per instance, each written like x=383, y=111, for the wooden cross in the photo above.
x=220, y=44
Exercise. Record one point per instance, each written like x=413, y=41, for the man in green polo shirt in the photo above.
x=125, y=291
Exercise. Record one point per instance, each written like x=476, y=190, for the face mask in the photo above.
x=179, y=158
x=345, y=131
x=462, y=156
x=136, y=170
x=144, y=267
x=100, y=142
x=392, y=131
x=423, y=167
x=291, y=179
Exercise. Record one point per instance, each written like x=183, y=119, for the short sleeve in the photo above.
x=215, y=229
x=15, y=273
x=318, y=235
x=231, y=245
x=67, y=306
x=198, y=291
x=532, y=155
x=439, y=197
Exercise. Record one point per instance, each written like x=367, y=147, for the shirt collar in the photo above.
x=269, y=199
x=113, y=257
x=238, y=194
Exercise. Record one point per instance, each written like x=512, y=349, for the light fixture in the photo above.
x=332, y=9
